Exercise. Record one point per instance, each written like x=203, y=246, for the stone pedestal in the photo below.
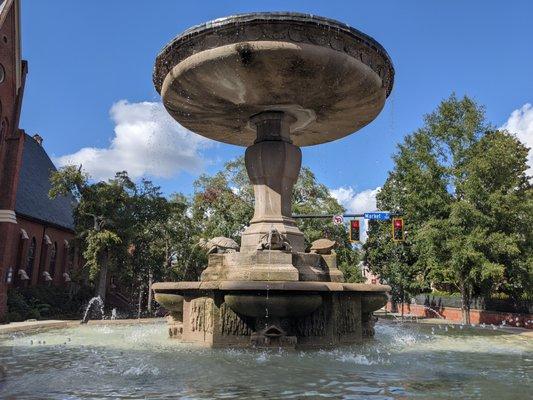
x=257, y=265
x=272, y=265
x=273, y=164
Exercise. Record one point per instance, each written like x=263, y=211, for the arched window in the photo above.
x=31, y=257
x=53, y=259
x=23, y=240
x=71, y=257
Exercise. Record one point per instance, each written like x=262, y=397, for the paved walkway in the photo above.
x=32, y=325
x=396, y=317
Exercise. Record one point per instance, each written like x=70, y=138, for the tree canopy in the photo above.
x=132, y=231
x=468, y=205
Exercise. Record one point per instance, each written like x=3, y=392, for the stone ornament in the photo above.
x=23, y=276
x=219, y=244
x=323, y=246
x=274, y=240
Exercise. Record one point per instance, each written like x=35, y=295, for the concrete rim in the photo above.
x=166, y=59
x=166, y=287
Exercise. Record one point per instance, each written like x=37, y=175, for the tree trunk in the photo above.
x=150, y=281
x=465, y=305
x=140, y=300
x=102, y=281
x=403, y=301
x=165, y=263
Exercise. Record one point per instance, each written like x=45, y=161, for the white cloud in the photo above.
x=356, y=202
x=147, y=142
x=521, y=123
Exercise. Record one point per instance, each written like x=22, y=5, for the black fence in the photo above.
x=479, y=303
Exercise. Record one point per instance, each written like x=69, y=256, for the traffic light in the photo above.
x=397, y=230
x=354, y=230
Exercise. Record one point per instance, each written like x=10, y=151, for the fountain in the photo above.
x=92, y=302
x=272, y=82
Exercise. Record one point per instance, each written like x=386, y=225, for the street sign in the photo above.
x=338, y=219
x=378, y=215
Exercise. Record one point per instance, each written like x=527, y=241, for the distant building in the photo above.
x=36, y=232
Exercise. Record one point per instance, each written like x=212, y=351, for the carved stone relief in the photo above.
x=201, y=315
x=231, y=323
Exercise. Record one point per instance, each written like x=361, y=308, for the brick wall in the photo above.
x=11, y=138
x=476, y=316
x=43, y=252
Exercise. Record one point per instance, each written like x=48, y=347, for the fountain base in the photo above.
x=321, y=314
x=272, y=265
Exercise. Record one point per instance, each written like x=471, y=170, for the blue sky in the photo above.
x=84, y=57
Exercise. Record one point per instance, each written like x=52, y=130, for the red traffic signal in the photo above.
x=398, y=234
x=354, y=230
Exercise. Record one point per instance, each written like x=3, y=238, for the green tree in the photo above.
x=177, y=238
x=101, y=216
x=148, y=209
x=467, y=201
x=393, y=262
x=485, y=243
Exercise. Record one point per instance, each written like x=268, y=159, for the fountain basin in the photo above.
x=330, y=78
x=110, y=360
x=172, y=302
x=274, y=305
x=240, y=313
x=373, y=301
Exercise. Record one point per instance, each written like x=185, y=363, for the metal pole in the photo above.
x=304, y=216
x=327, y=215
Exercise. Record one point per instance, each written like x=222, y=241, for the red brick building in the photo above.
x=36, y=232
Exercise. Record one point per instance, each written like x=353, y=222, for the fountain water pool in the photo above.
x=138, y=362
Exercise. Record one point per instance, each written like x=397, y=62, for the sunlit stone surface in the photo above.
x=272, y=82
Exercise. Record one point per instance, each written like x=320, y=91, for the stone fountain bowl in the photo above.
x=331, y=78
x=261, y=305
x=171, y=301
x=281, y=299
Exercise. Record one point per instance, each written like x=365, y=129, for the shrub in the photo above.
x=45, y=302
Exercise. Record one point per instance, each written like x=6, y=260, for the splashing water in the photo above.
x=139, y=361
x=433, y=311
x=94, y=300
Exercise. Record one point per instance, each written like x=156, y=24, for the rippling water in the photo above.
x=139, y=362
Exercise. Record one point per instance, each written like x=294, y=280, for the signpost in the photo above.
x=398, y=233
x=377, y=216
x=338, y=220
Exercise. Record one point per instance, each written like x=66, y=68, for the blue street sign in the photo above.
x=378, y=215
